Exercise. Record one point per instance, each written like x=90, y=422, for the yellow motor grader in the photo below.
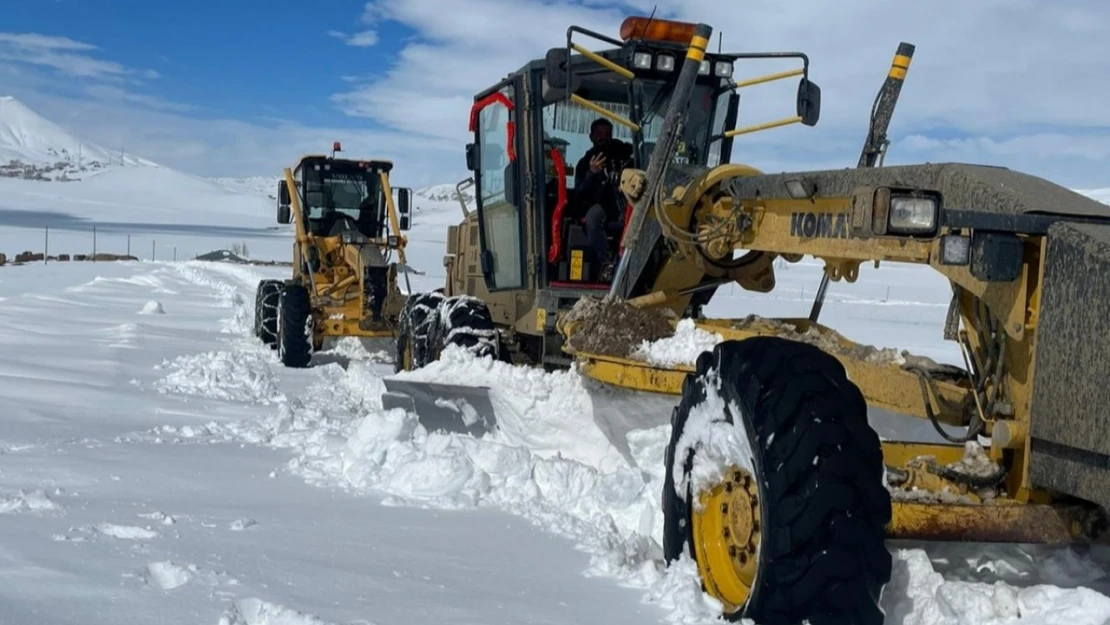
x=777, y=484
x=347, y=227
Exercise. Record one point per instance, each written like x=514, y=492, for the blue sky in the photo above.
x=248, y=60
x=243, y=88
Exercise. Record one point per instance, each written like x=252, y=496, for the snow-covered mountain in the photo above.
x=33, y=147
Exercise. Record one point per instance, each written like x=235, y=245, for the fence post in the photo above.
x=152, y=242
x=175, y=253
x=94, y=244
x=128, y=244
x=46, y=247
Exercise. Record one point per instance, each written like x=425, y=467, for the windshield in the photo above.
x=337, y=187
x=567, y=124
x=705, y=118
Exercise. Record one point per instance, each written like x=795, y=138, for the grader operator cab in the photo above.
x=347, y=227
x=777, y=483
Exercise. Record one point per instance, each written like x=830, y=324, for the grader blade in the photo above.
x=443, y=407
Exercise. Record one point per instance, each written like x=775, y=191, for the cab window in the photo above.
x=498, y=205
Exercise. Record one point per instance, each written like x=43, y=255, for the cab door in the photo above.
x=499, y=186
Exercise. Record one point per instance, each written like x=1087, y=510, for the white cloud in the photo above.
x=35, y=40
x=1000, y=71
x=63, y=54
x=363, y=39
x=109, y=93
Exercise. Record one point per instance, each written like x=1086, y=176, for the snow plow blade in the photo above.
x=443, y=407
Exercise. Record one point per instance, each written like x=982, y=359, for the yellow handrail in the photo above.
x=768, y=78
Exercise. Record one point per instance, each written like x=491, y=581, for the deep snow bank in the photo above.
x=548, y=413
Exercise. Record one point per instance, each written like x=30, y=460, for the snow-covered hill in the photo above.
x=72, y=196
x=265, y=186
x=33, y=147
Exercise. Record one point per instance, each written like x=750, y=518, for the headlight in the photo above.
x=664, y=63
x=642, y=60
x=912, y=214
x=393, y=240
x=723, y=69
x=704, y=69
x=353, y=237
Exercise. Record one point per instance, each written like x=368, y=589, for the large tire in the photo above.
x=466, y=321
x=822, y=506
x=294, y=326
x=417, y=331
x=266, y=311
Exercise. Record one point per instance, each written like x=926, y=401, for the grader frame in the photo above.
x=1029, y=266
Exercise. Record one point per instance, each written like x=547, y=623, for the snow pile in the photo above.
x=152, y=307
x=547, y=413
x=161, y=517
x=253, y=611
x=167, y=575
x=125, y=532
x=33, y=501
x=683, y=348
x=918, y=595
x=221, y=375
x=550, y=463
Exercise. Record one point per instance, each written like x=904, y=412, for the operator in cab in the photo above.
x=597, y=190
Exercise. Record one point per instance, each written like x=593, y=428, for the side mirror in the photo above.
x=809, y=102
x=559, y=82
x=284, y=215
x=404, y=207
x=556, y=67
x=283, y=194
x=471, y=158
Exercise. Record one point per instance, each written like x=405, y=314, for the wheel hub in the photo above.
x=727, y=533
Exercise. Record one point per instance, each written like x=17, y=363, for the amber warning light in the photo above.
x=657, y=30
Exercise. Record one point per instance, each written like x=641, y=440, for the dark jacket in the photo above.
x=603, y=187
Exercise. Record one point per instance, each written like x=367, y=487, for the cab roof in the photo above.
x=375, y=164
